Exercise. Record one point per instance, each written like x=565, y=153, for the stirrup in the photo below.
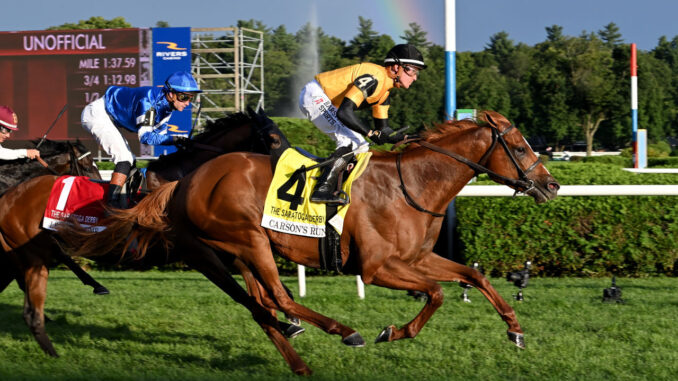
x=340, y=199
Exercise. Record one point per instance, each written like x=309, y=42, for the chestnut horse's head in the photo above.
x=512, y=161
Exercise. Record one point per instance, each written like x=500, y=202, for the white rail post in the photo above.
x=361, y=286
x=301, y=273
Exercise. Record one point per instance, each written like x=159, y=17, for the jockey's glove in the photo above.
x=149, y=118
x=386, y=135
x=182, y=141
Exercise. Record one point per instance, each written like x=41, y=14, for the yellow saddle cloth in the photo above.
x=288, y=208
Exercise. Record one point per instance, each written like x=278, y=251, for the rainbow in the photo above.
x=396, y=15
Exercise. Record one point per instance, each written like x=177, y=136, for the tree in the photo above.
x=486, y=90
x=554, y=33
x=552, y=118
x=610, y=35
x=590, y=73
x=363, y=45
x=417, y=37
x=281, y=49
x=500, y=45
x=162, y=24
x=95, y=22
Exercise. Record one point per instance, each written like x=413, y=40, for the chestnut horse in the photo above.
x=29, y=250
x=214, y=215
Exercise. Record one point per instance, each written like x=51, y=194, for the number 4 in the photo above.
x=299, y=178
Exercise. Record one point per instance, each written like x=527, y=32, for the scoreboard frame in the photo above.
x=41, y=71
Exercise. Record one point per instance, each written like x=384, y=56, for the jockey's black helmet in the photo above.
x=405, y=54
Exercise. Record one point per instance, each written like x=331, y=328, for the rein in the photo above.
x=208, y=147
x=523, y=182
x=75, y=160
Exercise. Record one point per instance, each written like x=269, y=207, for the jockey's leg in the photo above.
x=326, y=189
x=118, y=178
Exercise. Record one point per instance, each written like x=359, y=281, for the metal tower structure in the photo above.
x=228, y=64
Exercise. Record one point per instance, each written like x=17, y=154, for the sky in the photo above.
x=525, y=21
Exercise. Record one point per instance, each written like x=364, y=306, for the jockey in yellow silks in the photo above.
x=330, y=101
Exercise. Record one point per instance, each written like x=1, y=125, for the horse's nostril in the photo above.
x=553, y=186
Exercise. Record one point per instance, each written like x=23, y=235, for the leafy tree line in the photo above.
x=560, y=91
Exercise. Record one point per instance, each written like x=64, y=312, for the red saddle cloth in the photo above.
x=76, y=197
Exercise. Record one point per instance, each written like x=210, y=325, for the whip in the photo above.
x=52, y=126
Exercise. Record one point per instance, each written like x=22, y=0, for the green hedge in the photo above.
x=571, y=235
x=303, y=134
x=632, y=235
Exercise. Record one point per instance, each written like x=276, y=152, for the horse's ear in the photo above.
x=251, y=112
x=491, y=120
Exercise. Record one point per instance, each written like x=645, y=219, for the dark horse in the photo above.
x=214, y=215
x=29, y=250
x=61, y=158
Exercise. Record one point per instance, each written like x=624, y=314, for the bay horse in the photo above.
x=61, y=157
x=214, y=215
x=29, y=250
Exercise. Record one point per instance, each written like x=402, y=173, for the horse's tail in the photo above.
x=141, y=225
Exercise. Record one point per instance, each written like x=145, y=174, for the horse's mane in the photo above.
x=446, y=128
x=211, y=130
x=217, y=126
x=51, y=147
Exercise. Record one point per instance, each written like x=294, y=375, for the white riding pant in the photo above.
x=316, y=105
x=96, y=120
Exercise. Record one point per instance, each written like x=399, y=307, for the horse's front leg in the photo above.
x=444, y=270
x=34, y=305
x=84, y=277
x=396, y=274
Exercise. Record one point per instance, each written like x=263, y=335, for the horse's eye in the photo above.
x=520, y=150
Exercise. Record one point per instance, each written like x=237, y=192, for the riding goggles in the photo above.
x=183, y=97
x=5, y=130
x=411, y=70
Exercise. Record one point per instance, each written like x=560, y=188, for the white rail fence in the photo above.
x=503, y=191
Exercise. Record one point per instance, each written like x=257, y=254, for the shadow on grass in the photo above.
x=64, y=332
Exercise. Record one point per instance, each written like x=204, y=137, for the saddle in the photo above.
x=329, y=239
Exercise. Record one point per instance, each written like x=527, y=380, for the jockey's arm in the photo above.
x=346, y=114
x=12, y=154
x=155, y=135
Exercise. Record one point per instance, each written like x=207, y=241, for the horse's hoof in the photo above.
x=101, y=290
x=293, y=331
x=354, y=340
x=293, y=320
x=517, y=338
x=384, y=335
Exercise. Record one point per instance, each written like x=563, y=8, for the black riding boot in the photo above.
x=326, y=189
x=115, y=196
x=118, y=178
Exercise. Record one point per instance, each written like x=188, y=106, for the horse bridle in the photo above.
x=517, y=184
x=75, y=160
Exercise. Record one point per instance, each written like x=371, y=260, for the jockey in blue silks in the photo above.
x=144, y=110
